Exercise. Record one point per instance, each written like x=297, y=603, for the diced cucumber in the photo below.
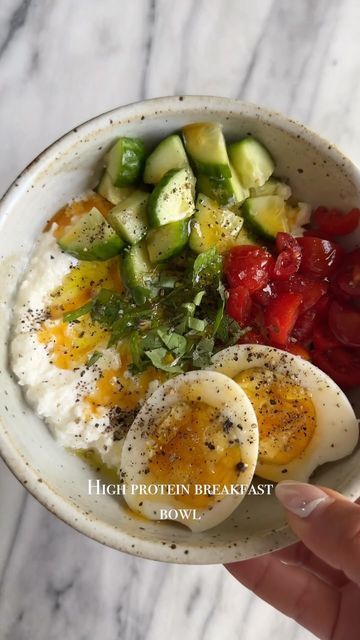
x=167, y=241
x=225, y=191
x=169, y=154
x=266, y=215
x=137, y=273
x=90, y=237
x=125, y=161
x=272, y=187
x=213, y=226
x=205, y=144
x=129, y=217
x=113, y=194
x=172, y=198
x=251, y=161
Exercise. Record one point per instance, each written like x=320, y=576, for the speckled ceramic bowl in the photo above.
x=318, y=172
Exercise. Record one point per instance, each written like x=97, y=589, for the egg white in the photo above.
x=215, y=390
x=336, y=432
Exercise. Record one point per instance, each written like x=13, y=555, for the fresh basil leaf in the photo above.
x=107, y=307
x=71, y=316
x=197, y=324
x=198, y=298
x=207, y=268
x=167, y=280
x=93, y=358
x=136, y=350
x=157, y=356
x=173, y=341
x=189, y=308
x=202, y=353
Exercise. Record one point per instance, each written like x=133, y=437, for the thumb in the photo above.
x=326, y=522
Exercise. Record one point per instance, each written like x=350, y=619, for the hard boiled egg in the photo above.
x=304, y=418
x=191, y=452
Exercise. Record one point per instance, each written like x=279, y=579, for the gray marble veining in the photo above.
x=61, y=63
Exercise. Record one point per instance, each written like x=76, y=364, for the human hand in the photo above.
x=317, y=580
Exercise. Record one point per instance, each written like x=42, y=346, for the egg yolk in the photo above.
x=285, y=413
x=77, y=208
x=73, y=343
x=115, y=388
x=191, y=446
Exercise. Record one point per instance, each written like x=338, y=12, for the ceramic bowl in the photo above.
x=318, y=173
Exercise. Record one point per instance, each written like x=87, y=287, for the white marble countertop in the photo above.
x=61, y=63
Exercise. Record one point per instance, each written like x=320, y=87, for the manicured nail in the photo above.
x=300, y=498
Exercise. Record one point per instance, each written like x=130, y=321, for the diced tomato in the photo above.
x=238, y=305
x=310, y=288
x=252, y=337
x=305, y=323
x=249, y=266
x=347, y=280
x=320, y=257
x=286, y=241
x=281, y=315
x=341, y=364
x=344, y=322
x=334, y=222
x=289, y=258
x=298, y=350
x=264, y=295
x=323, y=338
x=286, y=265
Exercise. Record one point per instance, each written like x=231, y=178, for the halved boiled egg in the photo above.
x=191, y=452
x=304, y=418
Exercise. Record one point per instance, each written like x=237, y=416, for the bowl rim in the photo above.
x=23, y=470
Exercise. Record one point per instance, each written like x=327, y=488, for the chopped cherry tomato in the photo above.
x=333, y=222
x=305, y=323
x=264, y=295
x=310, y=288
x=319, y=257
x=252, y=337
x=323, y=338
x=238, y=305
x=342, y=365
x=344, y=322
x=298, y=350
x=289, y=258
x=286, y=265
x=281, y=315
x=348, y=280
x=249, y=266
x=286, y=241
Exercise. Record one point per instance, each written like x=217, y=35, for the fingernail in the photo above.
x=300, y=498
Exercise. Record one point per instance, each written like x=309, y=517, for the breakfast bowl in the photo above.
x=319, y=174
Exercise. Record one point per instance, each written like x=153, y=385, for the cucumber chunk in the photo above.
x=129, y=217
x=272, y=187
x=205, y=144
x=90, y=237
x=125, y=161
x=169, y=154
x=138, y=274
x=266, y=215
x=167, y=241
x=172, y=198
x=111, y=193
x=213, y=226
x=226, y=191
x=251, y=161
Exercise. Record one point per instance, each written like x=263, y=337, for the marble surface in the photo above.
x=62, y=62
